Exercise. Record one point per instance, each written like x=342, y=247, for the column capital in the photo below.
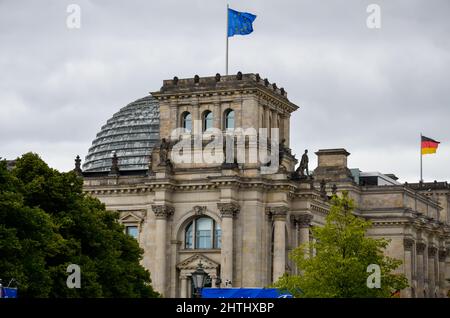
x=228, y=210
x=304, y=220
x=277, y=212
x=408, y=243
x=162, y=211
x=420, y=247
x=442, y=255
x=432, y=251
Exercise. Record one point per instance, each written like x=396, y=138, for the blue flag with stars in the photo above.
x=240, y=22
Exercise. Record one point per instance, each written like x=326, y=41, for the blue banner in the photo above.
x=244, y=293
x=9, y=292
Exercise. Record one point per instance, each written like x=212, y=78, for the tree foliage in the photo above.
x=342, y=255
x=48, y=223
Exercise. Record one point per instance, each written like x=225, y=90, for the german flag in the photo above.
x=429, y=145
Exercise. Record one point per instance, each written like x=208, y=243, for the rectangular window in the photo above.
x=132, y=231
x=204, y=239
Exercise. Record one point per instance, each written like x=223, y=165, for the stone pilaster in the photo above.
x=278, y=215
x=304, y=223
x=442, y=257
x=408, y=245
x=227, y=212
x=420, y=247
x=184, y=286
x=162, y=213
x=431, y=273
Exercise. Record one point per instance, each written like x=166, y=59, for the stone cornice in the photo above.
x=229, y=95
x=148, y=185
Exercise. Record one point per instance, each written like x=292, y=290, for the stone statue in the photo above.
x=164, y=151
x=323, y=189
x=282, y=149
x=303, y=165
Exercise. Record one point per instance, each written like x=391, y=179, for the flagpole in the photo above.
x=421, y=175
x=226, y=55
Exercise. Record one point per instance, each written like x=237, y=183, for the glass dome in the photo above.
x=132, y=133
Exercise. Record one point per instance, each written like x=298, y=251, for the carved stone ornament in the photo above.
x=77, y=169
x=420, y=247
x=304, y=220
x=164, y=151
x=228, y=209
x=442, y=255
x=334, y=189
x=277, y=212
x=432, y=251
x=163, y=211
x=199, y=210
x=408, y=243
x=114, y=171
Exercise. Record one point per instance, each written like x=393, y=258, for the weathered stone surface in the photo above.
x=255, y=212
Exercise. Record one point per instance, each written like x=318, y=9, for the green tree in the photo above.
x=343, y=252
x=48, y=223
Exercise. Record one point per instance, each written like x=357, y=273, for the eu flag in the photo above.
x=240, y=22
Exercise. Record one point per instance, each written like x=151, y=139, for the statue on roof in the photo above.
x=303, y=167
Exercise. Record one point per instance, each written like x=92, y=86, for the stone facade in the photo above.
x=253, y=219
x=416, y=224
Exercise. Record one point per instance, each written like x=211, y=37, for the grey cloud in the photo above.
x=370, y=91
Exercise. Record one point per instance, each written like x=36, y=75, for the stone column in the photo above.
x=286, y=120
x=217, y=117
x=227, y=212
x=278, y=215
x=442, y=257
x=426, y=279
x=304, y=222
x=162, y=213
x=420, y=269
x=184, y=286
x=408, y=266
x=431, y=276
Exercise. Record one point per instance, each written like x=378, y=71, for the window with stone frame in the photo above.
x=207, y=120
x=132, y=230
x=229, y=119
x=186, y=121
x=202, y=233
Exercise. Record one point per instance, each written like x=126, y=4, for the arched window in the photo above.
x=203, y=233
x=229, y=119
x=207, y=120
x=186, y=121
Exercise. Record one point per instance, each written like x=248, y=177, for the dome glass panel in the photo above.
x=132, y=133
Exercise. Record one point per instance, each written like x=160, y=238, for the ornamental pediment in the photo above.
x=191, y=263
x=130, y=217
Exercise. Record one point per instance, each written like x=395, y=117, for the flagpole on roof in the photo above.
x=421, y=155
x=226, y=35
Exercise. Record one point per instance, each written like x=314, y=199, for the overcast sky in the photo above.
x=371, y=91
